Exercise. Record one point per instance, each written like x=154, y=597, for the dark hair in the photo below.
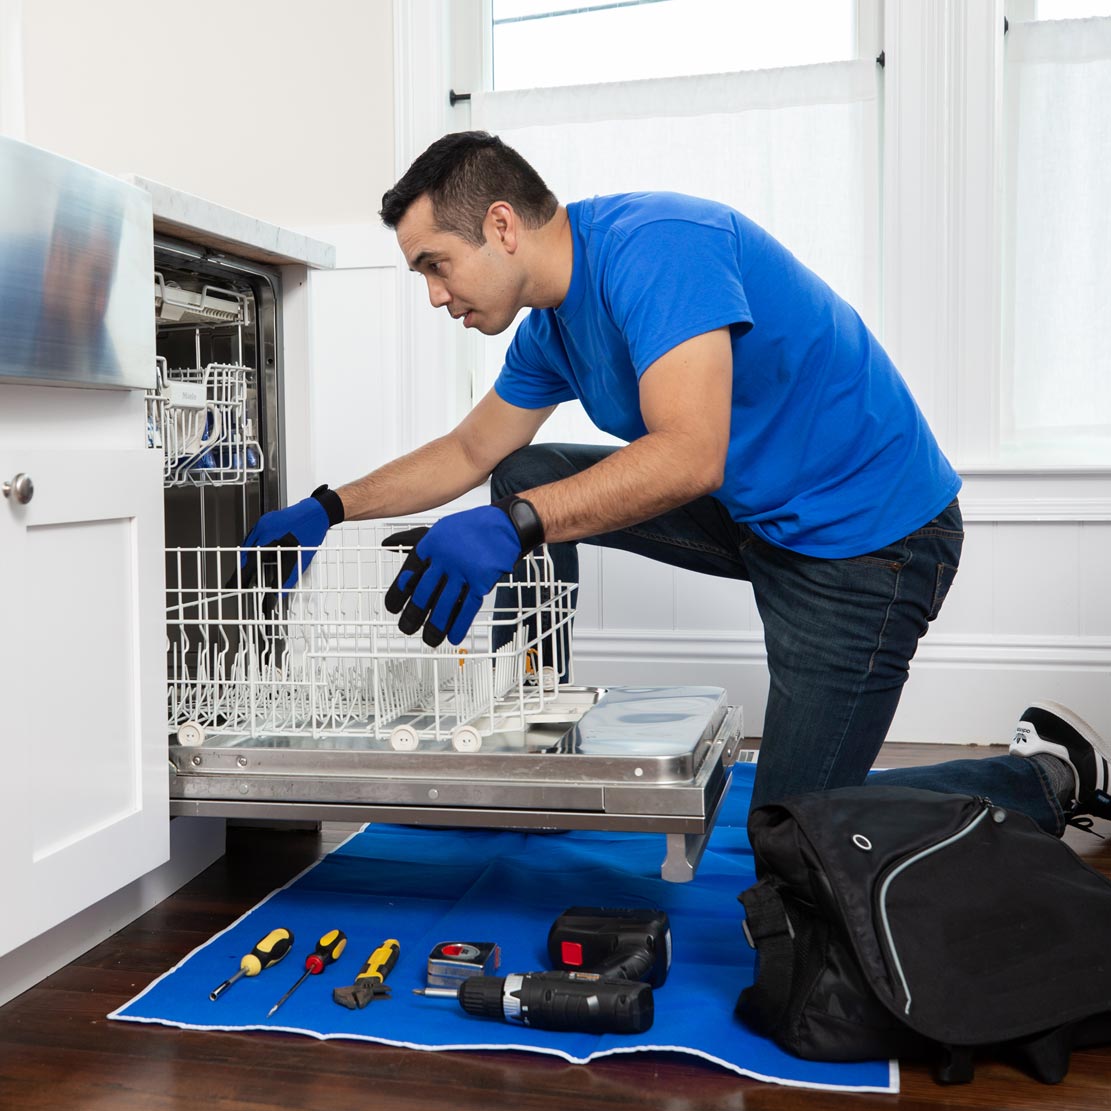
x=463, y=174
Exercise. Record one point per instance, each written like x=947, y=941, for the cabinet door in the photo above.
x=83, y=784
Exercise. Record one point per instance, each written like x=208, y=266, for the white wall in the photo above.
x=277, y=108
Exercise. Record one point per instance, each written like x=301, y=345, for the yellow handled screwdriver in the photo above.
x=370, y=984
x=328, y=949
x=271, y=949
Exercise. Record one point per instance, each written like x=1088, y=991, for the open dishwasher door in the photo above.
x=310, y=704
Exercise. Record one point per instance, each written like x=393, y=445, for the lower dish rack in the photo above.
x=326, y=659
x=311, y=704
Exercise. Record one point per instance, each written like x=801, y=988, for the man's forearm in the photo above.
x=644, y=479
x=428, y=477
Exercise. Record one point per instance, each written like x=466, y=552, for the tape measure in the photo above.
x=452, y=962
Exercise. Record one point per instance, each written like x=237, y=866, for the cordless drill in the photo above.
x=608, y=963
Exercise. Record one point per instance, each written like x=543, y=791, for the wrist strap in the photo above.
x=332, y=502
x=525, y=519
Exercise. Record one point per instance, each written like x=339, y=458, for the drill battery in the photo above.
x=627, y=943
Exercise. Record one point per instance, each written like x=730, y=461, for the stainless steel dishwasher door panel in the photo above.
x=75, y=274
x=648, y=759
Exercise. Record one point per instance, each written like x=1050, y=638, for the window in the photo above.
x=543, y=43
x=1014, y=369
x=717, y=98
x=1030, y=11
x=1057, y=244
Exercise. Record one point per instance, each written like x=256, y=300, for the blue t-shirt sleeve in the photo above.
x=527, y=379
x=671, y=280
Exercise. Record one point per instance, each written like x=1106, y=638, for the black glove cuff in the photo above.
x=525, y=519
x=333, y=504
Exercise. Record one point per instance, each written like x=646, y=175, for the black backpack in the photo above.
x=894, y=922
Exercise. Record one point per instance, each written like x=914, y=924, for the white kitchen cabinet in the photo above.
x=83, y=793
x=86, y=840
x=83, y=785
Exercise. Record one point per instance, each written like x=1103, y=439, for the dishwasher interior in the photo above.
x=309, y=704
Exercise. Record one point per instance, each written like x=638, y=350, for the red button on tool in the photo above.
x=571, y=952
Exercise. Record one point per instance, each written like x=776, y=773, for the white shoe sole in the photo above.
x=1101, y=747
x=1079, y=724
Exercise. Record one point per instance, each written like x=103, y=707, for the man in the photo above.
x=768, y=438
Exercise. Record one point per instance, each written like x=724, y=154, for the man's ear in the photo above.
x=501, y=225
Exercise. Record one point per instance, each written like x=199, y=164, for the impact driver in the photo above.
x=608, y=962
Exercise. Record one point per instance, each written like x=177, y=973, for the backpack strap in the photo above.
x=768, y=930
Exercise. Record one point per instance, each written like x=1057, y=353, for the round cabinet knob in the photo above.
x=21, y=488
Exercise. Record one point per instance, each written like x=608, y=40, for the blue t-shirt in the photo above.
x=828, y=453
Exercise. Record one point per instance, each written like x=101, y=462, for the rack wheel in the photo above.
x=549, y=679
x=404, y=739
x=191, y=734
x=466, y=738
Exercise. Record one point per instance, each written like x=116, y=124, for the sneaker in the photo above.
x=1054, y=729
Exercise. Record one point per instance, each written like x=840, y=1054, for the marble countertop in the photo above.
x=185, y=216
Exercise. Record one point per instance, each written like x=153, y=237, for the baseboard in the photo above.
x=962, y=689
x=195, y=843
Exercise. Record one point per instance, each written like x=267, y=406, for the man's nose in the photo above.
x=437, y=293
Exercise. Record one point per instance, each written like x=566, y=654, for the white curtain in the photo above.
x=1057, y=355
x=796, y=150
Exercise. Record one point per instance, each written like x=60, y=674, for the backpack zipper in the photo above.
x=986, y=806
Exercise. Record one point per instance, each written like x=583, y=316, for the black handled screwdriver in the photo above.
x=327, y=950
x=271, y=949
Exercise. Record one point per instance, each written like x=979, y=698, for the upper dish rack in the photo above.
x=208, y=305
x=198, y=418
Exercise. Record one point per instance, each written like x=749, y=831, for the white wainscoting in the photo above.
x=1028, y=618
x=962, y=690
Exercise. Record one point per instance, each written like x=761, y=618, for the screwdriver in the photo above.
x=271, y=949
x=328, y=949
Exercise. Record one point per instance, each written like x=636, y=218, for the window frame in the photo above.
x=867, y=32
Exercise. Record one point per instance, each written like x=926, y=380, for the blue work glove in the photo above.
x=303, y=525
x=454, y=564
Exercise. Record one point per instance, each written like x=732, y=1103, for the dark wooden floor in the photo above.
x=58, y=1051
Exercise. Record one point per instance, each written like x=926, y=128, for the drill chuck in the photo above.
x=582, y=1001
x=482, y=995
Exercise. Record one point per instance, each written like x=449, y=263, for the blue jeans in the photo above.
x=839, y=634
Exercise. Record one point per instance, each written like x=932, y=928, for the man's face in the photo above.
x=478, y=285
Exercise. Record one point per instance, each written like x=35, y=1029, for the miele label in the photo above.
x=187, y=395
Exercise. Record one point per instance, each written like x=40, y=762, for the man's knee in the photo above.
x=533, y=465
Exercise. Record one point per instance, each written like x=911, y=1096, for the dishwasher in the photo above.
x=309, y=704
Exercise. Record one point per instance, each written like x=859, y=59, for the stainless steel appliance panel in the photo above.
x=76, y=250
